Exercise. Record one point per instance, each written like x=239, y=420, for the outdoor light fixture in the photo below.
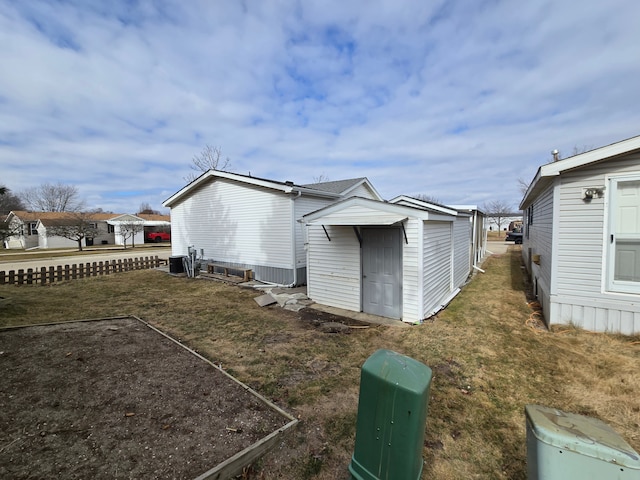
x=592, y=192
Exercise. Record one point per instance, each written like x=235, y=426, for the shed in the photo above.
x=393, y=260
x=581, y=239
x=248, y=222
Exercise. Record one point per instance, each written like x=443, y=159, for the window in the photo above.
x=624, y=234
x=32, y=228
x=111, y=228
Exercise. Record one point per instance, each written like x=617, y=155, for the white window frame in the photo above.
x=612, y=285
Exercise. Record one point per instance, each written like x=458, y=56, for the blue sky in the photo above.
x=454, y=99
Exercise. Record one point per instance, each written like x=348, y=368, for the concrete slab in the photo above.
x=360, y=316
x=264, y=300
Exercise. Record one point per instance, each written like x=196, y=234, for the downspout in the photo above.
x=293, y=241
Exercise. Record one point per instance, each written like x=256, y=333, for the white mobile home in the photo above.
x=387, y=259
x=581, y=240
x=251, y=223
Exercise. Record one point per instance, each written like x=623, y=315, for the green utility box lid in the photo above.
x=580, y=434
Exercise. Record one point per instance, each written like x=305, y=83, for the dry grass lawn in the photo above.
x=488, y=359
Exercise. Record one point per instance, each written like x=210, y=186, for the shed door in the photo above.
x=382, y=272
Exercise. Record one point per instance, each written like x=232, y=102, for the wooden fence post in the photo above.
x=12, y=277
x=52, y=275
x=29, y=276
x=43, y=275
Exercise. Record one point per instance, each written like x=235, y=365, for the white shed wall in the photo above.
x=303, y=205
x=437, y=269
x=334, y=267
x=412, y=311
x=462, y=254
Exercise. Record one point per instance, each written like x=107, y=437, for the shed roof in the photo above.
x=546, y=173
x=363, y=211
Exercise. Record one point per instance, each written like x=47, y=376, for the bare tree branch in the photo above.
x=426, y=198
x=129, y=229
x=210, y=158
x=497, y=211
x=321, y=178
x=52, y=198
x=77, y=226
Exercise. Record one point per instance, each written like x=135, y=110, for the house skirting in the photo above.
x=261, y=273
x=596, y=314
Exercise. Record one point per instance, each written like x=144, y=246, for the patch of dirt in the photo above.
x=115, y=399
x=318, y=318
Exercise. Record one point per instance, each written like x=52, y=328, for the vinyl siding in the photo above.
x=581, y=297
x=437, y=264
x=361, y=191
x=303, y=205
x=334, y=267
x=235, y=223
x=462, y=250
x=411, y=271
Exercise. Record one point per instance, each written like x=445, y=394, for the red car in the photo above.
x=158, y=237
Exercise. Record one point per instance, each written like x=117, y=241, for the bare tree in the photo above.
x=129, y=229
x=321, y=178
x=9, y=201
x=8, y=230
x=77, y=226
x=52, y=198
x=426, y=198
x=523, y=186
x=497, y=211
x=146, y=208
x=210, y=158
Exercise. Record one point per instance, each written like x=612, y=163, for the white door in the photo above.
x=382, y=272
x=624, y=235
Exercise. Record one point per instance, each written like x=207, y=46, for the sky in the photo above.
x=454, y=99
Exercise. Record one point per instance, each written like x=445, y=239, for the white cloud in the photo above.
x=452, y=99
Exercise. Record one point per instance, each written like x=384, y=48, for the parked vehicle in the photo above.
x=514, y=236
x=158, y=237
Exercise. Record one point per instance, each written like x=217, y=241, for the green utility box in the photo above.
x=392, y=412
x=566, y=446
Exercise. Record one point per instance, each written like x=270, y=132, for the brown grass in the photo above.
x=488, y=363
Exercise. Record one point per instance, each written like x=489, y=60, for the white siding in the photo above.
x=303, y=205
x=569, y=235
x=437, y=270
x=361, y=191
x=580, y=295
x=236, y=223
x=334, y=267
x=462, y=250
x=412, y=311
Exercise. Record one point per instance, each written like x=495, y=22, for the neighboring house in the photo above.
x=133, y=229
x=251, y=223
x=581, y=240
x=396, y=260
x=33, y=228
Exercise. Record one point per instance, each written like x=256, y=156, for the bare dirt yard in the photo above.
x=116, y=399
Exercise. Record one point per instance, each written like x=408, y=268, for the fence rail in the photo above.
x=47, y=275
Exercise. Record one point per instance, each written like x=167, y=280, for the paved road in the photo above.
x=498, y=247
x=96, y=256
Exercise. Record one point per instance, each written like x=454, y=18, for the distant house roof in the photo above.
x=546, y=173
x=47, y=217
x=324, y=189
